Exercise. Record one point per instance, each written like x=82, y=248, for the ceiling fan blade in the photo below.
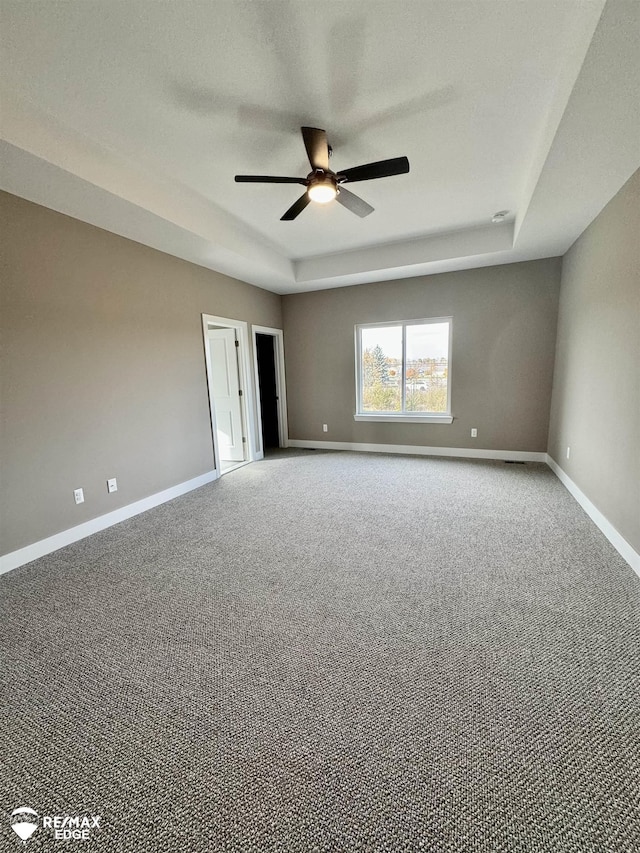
x=380, y=169
x=315, y=141
x=296, y=208
x=268, y=179
x=353, y=203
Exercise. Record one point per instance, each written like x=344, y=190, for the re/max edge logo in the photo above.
x=67, y=828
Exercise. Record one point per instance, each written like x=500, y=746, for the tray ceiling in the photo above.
x=136, y=117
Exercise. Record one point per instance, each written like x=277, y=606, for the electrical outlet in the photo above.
x=474, y=433
x=78, y=496
x=112, y=485
x=568, y=453
x=325, y=428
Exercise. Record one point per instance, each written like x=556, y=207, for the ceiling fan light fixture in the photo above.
x=322, y=191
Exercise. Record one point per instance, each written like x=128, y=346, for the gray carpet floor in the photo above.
x=331, y=652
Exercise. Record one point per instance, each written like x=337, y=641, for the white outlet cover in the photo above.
x=112, y=485
x=78, y=496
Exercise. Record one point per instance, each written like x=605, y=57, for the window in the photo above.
x=402, y=371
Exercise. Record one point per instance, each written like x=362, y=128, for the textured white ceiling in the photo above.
x=137, y=115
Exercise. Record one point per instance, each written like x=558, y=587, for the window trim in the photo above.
x=401, y=417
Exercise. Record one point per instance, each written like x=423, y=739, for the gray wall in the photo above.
x=596, y=389
x=504, y=330
x=103, y=368
x=103, y=371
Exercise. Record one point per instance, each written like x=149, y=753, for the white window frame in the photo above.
x=402, y=417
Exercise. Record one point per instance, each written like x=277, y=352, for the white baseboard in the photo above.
x=73, y=534
x=418, y=450
x=626, y=551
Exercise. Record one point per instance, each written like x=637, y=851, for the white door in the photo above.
x=225, y=387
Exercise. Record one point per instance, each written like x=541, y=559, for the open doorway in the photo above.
x=228, y=377
x=268, y=350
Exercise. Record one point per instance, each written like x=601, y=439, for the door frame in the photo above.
x=281, y=387
x=245, y=382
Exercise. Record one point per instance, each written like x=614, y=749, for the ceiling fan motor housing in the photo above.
x=323, y=186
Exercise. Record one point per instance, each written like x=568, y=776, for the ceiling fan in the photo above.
x=322, y=184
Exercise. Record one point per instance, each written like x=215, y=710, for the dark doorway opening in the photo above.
x=265, y=353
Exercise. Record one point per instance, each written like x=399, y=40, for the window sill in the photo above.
x=405, y=419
